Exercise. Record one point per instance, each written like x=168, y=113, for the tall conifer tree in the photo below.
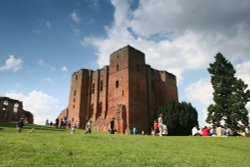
x=230, y=95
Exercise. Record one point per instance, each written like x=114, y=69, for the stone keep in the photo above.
x=128, y=90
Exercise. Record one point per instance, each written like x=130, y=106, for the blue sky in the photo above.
x=43, y=42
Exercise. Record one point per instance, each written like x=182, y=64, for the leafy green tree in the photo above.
x=230, y=95
x=180, y=118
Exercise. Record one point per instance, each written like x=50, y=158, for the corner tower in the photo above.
x=78, y=106
x=127, y=89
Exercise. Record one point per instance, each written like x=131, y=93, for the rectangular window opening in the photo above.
x=93, y=88
x=101, y=85
x=117, y=84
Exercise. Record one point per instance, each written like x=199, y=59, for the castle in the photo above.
x=128, y=90
x=11, y=110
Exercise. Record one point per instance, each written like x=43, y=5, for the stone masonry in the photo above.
x=127, y=89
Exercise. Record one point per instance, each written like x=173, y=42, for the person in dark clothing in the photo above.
x=57, y=123
x=112, y=126
x=20, y=125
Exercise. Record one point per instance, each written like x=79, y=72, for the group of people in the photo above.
x=219, y=131
x=159, y=127
x=88, y=127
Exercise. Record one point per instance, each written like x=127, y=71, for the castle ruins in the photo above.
x=128, y=90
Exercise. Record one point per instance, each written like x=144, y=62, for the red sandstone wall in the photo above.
x=11, y=111
x=151, y=93
x=118, y=88
x=78, y=107
x=128, y=90
x=99, y=97
x=138, y=108
x=166, y=90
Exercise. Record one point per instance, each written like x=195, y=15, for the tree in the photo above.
x=230, y=95
x=180, y=118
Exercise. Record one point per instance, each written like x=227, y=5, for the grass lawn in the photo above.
x=50, y=147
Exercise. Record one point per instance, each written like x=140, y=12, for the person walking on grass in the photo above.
x=73, y=129
x=20, y=124
x=112, y=126
x=155, y=127
x=88, y=127
x=160, y=124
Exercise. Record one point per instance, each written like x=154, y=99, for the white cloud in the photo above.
x=40, y=104
x=64, y=69
x=74, y=16
x=12, y=64
x=242, y=71
x=173, y=37
x=177, y=36
x=200, y=94
x=200, y=91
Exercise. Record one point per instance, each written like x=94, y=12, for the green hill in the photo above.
x=48, y=146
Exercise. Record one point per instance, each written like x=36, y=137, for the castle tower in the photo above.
x=127, y=89
x=78, y=106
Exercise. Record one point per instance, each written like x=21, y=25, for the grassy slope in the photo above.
x=50, y=147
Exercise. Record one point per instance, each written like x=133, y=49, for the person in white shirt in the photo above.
x=195, y=131
x=160, y=124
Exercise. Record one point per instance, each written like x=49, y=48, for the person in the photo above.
x=134, y=130
x=155, y=127
x=77, y=124
x=212, y=131
x=165, y=130
x=219, y=131
x=47, y=122
x=205, y=131
x=73, y=129
x=160, y=124
x=112, y=126
x=20, y=124
x=247, y=131
x=56, y=122
x=195, y=131
x=88, y=127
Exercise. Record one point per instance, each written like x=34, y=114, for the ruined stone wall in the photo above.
x=11, y=110
x=63, y=114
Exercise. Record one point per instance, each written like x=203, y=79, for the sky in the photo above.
x=43, y=42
